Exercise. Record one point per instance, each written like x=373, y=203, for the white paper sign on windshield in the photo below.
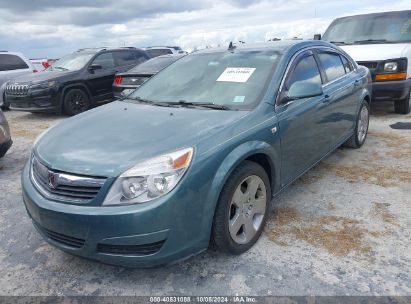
x=236, y=74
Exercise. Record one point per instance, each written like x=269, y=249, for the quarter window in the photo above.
x=332, y=65
x=305, y=70
x=11, y=62
x=347, y=66
x=106, y=60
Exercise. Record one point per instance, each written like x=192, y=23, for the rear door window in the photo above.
x=11, y=62
x=125, y=58
x=305, y=70
x=106, y=60
x=332, y=64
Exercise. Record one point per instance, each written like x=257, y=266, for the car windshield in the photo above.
x=71, y=62
x=392, y=27
x=154, y=65
x=234, y=80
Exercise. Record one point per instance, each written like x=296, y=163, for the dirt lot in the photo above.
x=342, y=229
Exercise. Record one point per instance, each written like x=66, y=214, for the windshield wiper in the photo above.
x=340, y=42
x=371, y=41
x=208, y=105
x=147, y=101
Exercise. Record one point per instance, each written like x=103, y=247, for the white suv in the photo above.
x=12, y=65
x=155, y=51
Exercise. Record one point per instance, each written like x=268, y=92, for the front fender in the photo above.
x=230, y=162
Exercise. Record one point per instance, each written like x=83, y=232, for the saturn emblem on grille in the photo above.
x=52, y=180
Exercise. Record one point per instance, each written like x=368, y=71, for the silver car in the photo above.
x=5, y=137
x=12, y=64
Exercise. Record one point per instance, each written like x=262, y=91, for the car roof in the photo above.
x=101, y=49
x=169, y=56
x=281, y=46
x=163, y=47
x=376, y=14
x=13, y=53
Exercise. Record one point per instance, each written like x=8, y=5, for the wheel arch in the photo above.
x=69, y=87
x=257, y=151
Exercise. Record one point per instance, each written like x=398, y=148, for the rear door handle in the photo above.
x=357, y=82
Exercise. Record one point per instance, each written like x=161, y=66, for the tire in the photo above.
x=5, y=106
x=403, y=106
x=361, y=127
x=75, y=102
x=248, y=211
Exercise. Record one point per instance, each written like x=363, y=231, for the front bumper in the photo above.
x=4, y=147
x=159, y=232
x=41, y=100
x=390, y=90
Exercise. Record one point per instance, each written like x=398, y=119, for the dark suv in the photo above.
x=74, y=83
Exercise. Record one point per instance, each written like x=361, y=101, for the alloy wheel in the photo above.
x=247, y=209
x=78, y=102
x=363, y=122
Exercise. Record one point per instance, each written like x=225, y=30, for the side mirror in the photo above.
x=317, y=37
x=304, y=89
x=94, y=67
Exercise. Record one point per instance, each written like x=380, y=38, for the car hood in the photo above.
x=372, y=52
x=41, y=76
x=110, y=139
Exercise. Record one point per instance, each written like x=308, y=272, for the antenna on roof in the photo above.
x=231, y=46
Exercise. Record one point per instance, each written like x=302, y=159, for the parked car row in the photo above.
x=75, y=82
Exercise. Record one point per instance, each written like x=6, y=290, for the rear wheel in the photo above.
x=75, y=102
x=241, y=211
x=403, y=106
x=361, y=128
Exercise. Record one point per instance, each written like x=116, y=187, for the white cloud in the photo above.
x=190, y=23
x=118, y=28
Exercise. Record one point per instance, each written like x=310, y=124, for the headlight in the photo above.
x=391, y=66
x=150, y=179
x=44, y=85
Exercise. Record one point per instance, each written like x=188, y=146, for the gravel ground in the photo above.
x=342, y=229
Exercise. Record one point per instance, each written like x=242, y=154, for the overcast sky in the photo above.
x=52, y=28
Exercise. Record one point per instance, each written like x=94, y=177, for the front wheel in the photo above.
x=403, y=106
x=361, y=128
x=241, y=211
x=75, y=102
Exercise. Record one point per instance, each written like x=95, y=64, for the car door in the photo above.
x=341, y=87
x=101, y=79
x=301, y=122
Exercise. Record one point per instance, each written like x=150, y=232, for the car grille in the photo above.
x=369, y=64
x=145, y=249
x=17, y=89
x=62, y=186
x=62, y=238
